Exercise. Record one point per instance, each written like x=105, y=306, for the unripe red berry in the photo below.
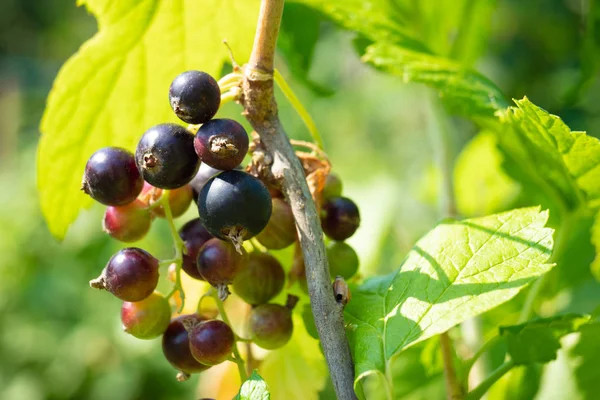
x=127, y=223
x=261, y=280
x=270, y=326
x=148, y=318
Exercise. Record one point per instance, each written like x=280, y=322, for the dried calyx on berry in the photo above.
x=221, y=143
x=234, y=206
x=211, y=342
x=111, y=177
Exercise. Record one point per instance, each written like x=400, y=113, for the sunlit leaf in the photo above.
x=458, y=270
x=255, y=388
x=116, y=86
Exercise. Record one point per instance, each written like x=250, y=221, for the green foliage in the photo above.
x=95, y=102
x=538, y=341
x=458, y=270
x=255, y=388
x=596, y=241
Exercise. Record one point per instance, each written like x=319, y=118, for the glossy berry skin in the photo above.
x=270, y=326
x=195, y=97
x=148, y=318
x=127, y=223
x=219, y=262
x=205, y=172
x=211, y=342
x=333, y=187
x=130, y=275
x=221, y=143
x=165, y=156
x=111, y=177
x=176, y=344
x=194, y=235
x=234, y=206
x=340, y=218
x=343, y=260
x=261, y=280
x=280, y=231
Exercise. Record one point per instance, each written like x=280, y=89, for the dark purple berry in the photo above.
x=340, y=218
x=176, y=344
x=165, y=156
x=195, y=97
x=261, y=280
x=333, y=187
x=234, y=206
x=221, y=143
x=127, y=223
x=148, y=318
x=194, y=235
x=219, y=262
x=343, y=260
x=280, y=232
x=270, y=326
x=130, y=275
x=111, y=177
x=211, y=342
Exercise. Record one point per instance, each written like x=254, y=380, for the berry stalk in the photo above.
x=179, y=246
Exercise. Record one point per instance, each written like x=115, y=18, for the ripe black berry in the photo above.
x=195, y=97
x=219, y=262
x=127, y=223
x=234, y=206
x=111, y=177
x=176, y=345
x=211, y=342
x=280, y=232
x=333, y=187
x=165, y=156
x=148, y=318
x=261, y=280
x=221, y=143
x=270, y=326
x=194, y=235
x=339, y=218
x=131, y=275
x=343, y=260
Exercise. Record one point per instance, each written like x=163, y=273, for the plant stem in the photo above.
x=454, y=390
x=482, y=350
x=237, y=358
x=260, y=109
x=179, y=246
x=484, y=386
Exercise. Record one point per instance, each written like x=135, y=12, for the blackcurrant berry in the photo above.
x=333, y=187
x=194, y=235
x=127, y=223
x=111, y=177
x=234, y=206
x=221, y=143
x=205, y=172
x=343, y=260
x=195, y=97
x=270, y=326
x=179, y=201
x=339, y=218
x=176, y=344
x=130, y=275
x=261, y=280
x=148, y=318
x=211, y=342
x=219, y=262
x=165, y=156
x=280, y=232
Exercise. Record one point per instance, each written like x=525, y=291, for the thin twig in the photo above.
x=261, y=112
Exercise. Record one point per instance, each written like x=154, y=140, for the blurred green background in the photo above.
x=61, y=340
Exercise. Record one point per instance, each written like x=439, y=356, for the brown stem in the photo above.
x=261, y=111
x=454, y=390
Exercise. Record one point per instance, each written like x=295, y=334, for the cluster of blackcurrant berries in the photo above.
x=171, y=168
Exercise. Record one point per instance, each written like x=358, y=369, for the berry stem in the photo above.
x=179, y=246
x=237, y=358
x=231, y=95
x=260, y=109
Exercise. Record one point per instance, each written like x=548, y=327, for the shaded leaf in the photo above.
x=538, y=341
x=458, y=270
x=116, y=86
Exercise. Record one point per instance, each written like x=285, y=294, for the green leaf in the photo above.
x=255, y=388
x=584, y=358
x=538, y=341
x=458, y=270
x=595, y=267
x=480, y=184
x=116, y=86
x=564, y=163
